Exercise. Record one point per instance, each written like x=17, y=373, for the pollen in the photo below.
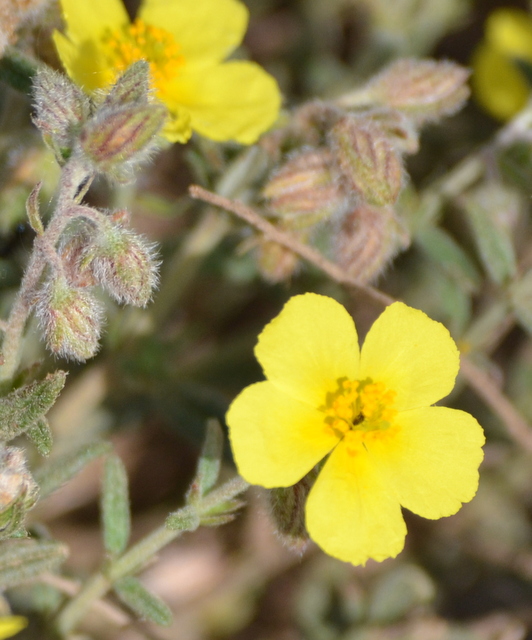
x=140, y=41
x=359, y=411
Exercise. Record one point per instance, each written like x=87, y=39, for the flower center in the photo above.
x=358, y=411
x=141, y=41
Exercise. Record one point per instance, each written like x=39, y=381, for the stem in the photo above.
x=137, y=556
x=74, y=174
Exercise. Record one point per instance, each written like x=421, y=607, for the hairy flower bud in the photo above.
x=133, y=86
x=367, y=239
x=288, y=511
x=423, y=89
x=74, y=252
x=304, y=191
x=276, y=263
x=70, y=318
x=124, y=264
x=18, y=490
x=61, y=109
x=367, y=160
x=119, y=135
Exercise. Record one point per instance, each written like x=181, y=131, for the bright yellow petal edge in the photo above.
x=11, y=625
x=425, y=458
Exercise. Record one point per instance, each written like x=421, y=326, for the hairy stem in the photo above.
x=137, y=556
x=74, y=175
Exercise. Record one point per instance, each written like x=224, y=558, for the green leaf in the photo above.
x=116, y=518
x=20, y=409
x=143, y=602
x=22, y=560
x=521, y=299
x=210, y=459
x=41, y=436
x=441, y=248
x=492, y=211
x=17, y=69
x=60, y=470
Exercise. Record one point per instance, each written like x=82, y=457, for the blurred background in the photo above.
x=163, y=371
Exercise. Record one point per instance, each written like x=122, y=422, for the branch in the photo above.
x=286, y=240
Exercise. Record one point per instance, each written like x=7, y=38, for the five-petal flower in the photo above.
x=366, y=412
x=185, y=43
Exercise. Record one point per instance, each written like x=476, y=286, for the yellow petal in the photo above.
x=412, y=355
x=205, y=30
x=275, y=439
x=177, y=127
x=231, y=101
x=308, y=347
x=352, y=512
x=510, y=32
x=84, y=62
x=11, y=625
x=432, y=462
x=498, y=84
x=88, y=20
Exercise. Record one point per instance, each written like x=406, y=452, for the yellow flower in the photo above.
x=500, y=85
x=185, y=43
x=369, y=411
x=11, y=625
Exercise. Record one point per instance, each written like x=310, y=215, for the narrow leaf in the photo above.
x=144, y=603
x=210, y=458
x=60, y=470
x=217, y=521
x=41, y=436
x=22, y=560
x=440, y=247
x=492, y=211
x=116, y=518
x=20, y=409
x=521, y=297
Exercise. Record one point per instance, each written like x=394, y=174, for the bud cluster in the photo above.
x=113, y=132
x=350, y=169
x=107, y=134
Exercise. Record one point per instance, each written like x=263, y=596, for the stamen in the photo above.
x=140, y=41
x=360, y=411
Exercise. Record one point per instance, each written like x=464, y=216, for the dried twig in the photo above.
x=286, y=240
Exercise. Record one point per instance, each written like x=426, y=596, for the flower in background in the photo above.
x=502, y=63
x=366, y=413
x=11, y=625
x=185, y=43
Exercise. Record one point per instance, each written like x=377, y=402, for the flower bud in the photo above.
x=367, y=160
x=70, y=318
x=304, y=190
x=124, y=264
x=18, y=490
x=133, y=86
x=276, y=263
x=118, y=135
x=398, y=128
x=61, y=109
x=367, y=239
x=423, y=89
x=288, y=511
x=74, y=252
